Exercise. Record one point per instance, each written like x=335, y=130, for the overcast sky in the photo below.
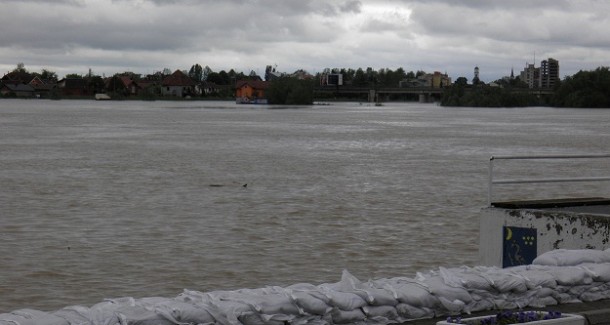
x=453, y=36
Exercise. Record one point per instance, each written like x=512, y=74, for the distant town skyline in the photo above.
x=144, y=36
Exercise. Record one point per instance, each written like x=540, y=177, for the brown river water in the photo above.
x=112, y=199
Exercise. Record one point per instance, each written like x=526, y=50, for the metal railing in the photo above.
x=493, y=182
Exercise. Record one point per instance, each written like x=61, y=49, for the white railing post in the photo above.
x=490, y=184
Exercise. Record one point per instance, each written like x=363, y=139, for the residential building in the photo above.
x=549, y=73
x=41, y=87
x=247, y=91
x=544, y=77
x=531, y=75
x=429, y=80
x=73, y=87
x=178, y=84
x=8, y=88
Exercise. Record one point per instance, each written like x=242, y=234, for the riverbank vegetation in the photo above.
x=585, y=89
x=290, y=91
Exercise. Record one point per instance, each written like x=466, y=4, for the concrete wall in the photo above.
x=511, y=236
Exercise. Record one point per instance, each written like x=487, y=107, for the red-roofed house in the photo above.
x=251, y=91
x=178, y=84
x=132, y=87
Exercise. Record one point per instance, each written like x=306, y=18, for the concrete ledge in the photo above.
x=556, y=203
x=597, y=317
x=595, y=313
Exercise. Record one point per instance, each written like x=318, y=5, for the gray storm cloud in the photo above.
x=453, y=36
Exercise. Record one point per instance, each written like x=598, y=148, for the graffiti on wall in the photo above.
x=519, y=246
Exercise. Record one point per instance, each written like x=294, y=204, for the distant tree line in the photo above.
x=384, y=77
x=585, y=89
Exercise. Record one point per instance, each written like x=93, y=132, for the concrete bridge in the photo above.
x=377, y=94
x=426, y=94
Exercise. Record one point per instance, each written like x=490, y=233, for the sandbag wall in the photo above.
x=556, y=277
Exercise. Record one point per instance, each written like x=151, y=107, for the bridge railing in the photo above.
x=492, y=181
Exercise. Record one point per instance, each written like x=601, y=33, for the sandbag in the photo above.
x=73, y=314
x=440, y=289
x=136, y=315
x=31, y=317
x=573, y=257
x=347, y=316
x=343, y=300
x=536, y=277
x=381, y=312
x=504, y=281
x=409, y=312
x=413, y=293
x=183, y=313
x=314, y=303
x=373, y=293
x=599, y=272
x=571, y=275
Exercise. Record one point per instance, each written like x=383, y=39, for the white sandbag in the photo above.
x=480, y=305
x=12, y=319
x=542, y=302
x=31, y=317
x=135, y=315
x=273, y=304
x=342, y=300
x=452, y=307
x=535, y=277
x=347, y=316
x=599, y=272
x=504, y=281
x=228, y=312
x=566, y=298
x=600, y=292
x=565, y=257
x=375, y=294
x=345, y=285
x=104, y=313
x=466, y=277
x=311, y=302
x=73, y=314
x=183, y=313
x=191, y=296
x=408, y=312
x=571, y=275
x=261, y=319
x=381, y=312
x=413, y=293
x=504, y=304
x=440, y=289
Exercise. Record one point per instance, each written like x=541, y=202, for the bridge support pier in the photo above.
x=372, y=96
x=424, y=98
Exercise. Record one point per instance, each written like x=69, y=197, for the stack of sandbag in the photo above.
x=557, y=277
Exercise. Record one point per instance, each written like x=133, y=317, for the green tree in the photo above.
x=360, y=79
x=95, y=84
x=584, y=89
x=196, y=72
x=462, y=81
x=116, y=87
x=48, y=75
x=20, y=68
x=290, y=91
